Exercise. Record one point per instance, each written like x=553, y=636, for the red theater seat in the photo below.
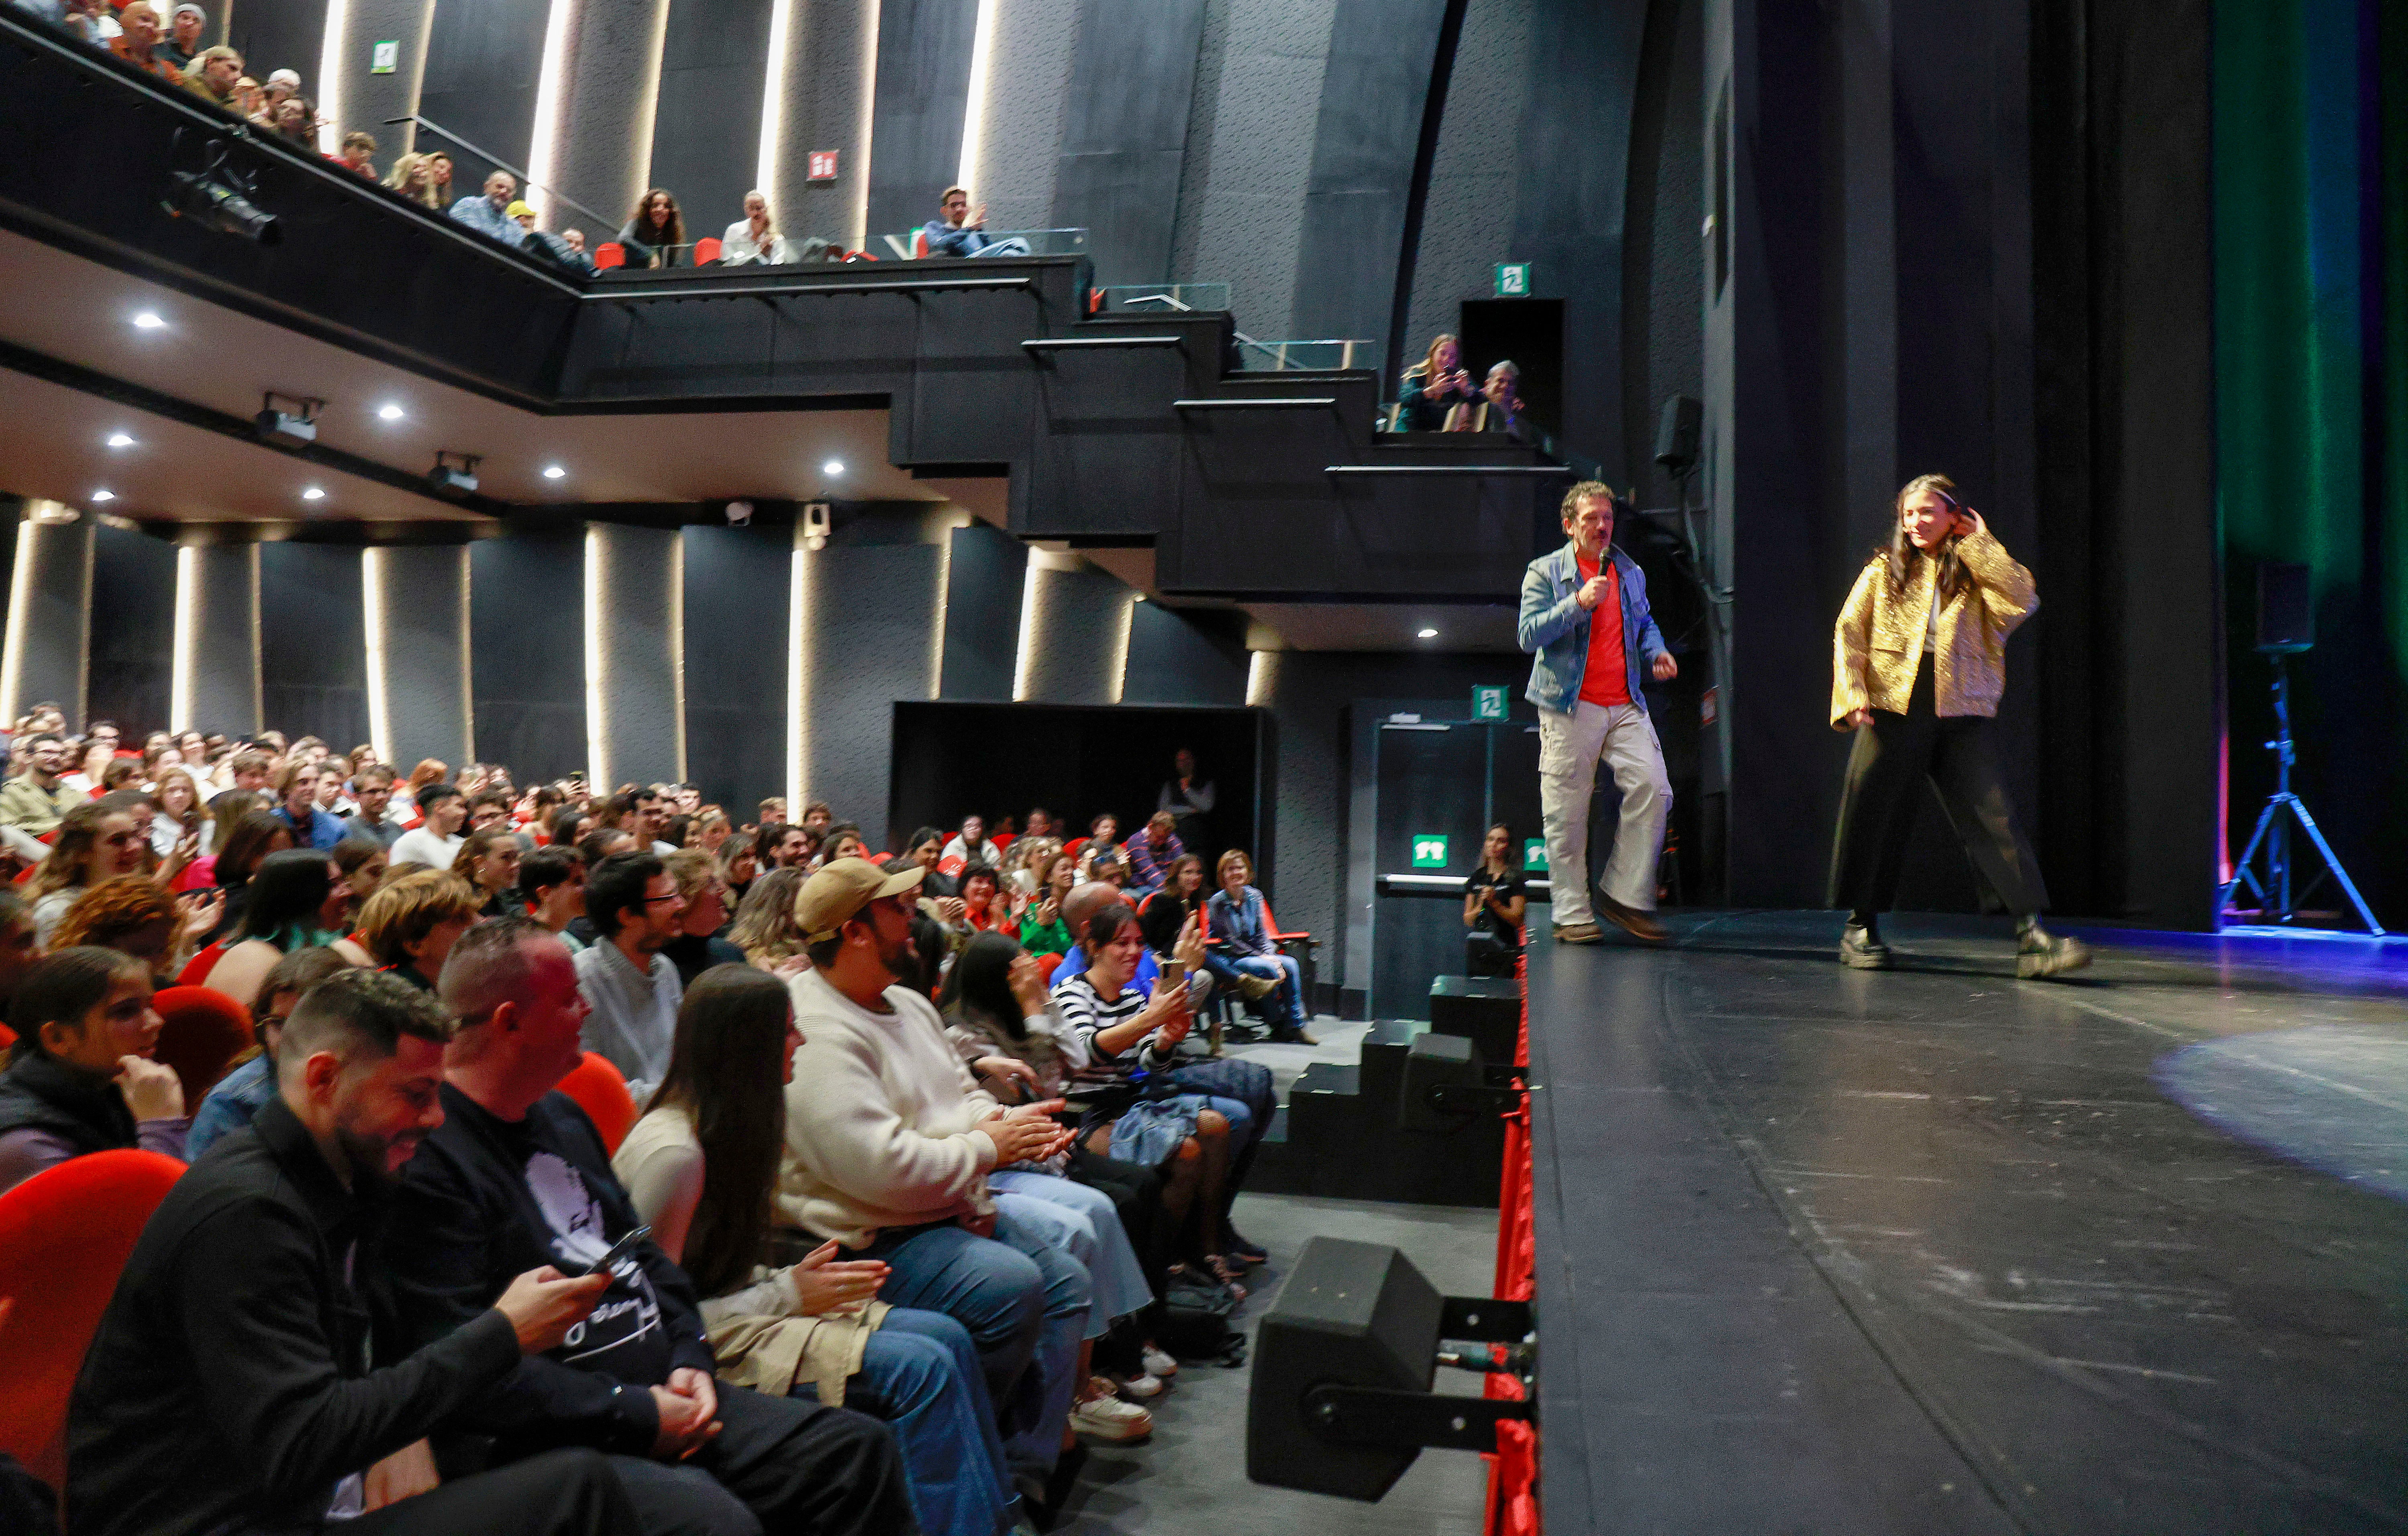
x=602, y=1094
x=206, y=1029
x=609, y=253
x=64, y=1234
x=706, y=250
x=196, y=971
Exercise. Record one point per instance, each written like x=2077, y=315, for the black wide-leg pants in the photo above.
x=1893, y=757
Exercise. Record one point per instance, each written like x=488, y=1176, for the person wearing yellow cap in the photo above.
x=890, y=1141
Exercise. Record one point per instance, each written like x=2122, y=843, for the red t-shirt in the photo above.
x=1607, y=678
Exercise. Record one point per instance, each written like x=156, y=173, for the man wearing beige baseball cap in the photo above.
x=889, y=1140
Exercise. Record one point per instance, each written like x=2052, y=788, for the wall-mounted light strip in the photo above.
x=468, y=663
x=974, y=109
x=180, y=659
x=1120, y=663
x=372, y=620
x=944, y=591
x=677, y=645
x=597, y=737
x=333, y=51
x=769, y=163
x=253, y=651
x=20, y=614
x=1261, y=677
x=551, y=108
x=869, y=22
x=799, y=617
x=1027, y=630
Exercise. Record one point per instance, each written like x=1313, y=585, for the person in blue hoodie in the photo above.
x=1585, y=678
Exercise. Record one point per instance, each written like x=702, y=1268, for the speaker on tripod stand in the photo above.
x=2286, y=627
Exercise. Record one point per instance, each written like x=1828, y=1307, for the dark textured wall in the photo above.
x=134, y=629
x=985, y=579
x=1663, y=273
x=923, y=72
x=707, y=138
x=482, y=60
x=869, y=604
x=1124, y=133
x=272, y=35
x=526, y=601
x=1193, y=658
x=51, y=657
x=736, y=582
x=223, y=633
x=1076, y=632
x=312, y=642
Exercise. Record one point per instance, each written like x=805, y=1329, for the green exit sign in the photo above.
x=1430, y=850
x=1534, y=852
x=1488, y=703
x=1512, y=280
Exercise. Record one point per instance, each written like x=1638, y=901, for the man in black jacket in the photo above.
x=242, y=1378
x=516, y=1177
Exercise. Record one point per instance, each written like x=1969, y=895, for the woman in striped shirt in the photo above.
x=1124, y=1033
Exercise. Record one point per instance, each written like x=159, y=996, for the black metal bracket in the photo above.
x=1501, y=1093
x=1375, y=1415
x=1485, y=1319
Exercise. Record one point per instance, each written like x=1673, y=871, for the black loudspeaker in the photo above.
x=2286, y=617
x=1353, y=1314
x=1436, y=1064
x=1676, y=434
x=1483, y=1010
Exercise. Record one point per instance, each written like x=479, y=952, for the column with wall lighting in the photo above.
x=416, y=603
x=214, y=674
x=635, y=654
x=597, y=90
x=352, y=92
x=48, y=641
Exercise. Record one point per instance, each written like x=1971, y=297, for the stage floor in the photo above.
x=1939, y=1250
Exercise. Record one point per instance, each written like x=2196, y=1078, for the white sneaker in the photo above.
x=1158, y=1363
x=1141, y=1389
x=1109, y=1418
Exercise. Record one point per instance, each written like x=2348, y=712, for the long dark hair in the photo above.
x=980, y=981
x=1900, y=553
x=726, y=1072
x=671, y=233
x=62, y=988
x=241, y=849
x=286, y=897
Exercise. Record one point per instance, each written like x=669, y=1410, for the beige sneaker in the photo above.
x=1579, y=933
x=1107, y=1417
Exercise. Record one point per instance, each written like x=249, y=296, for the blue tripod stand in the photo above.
x=2277, y=902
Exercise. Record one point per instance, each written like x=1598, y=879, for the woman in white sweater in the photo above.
x=814, y=1328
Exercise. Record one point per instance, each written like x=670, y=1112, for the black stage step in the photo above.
x=1338, y=1137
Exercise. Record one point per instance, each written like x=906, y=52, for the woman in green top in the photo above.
x=1042, y=931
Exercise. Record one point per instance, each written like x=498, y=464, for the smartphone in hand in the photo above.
x=619, y=1250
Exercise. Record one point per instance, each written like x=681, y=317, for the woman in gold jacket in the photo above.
x=1918, y=660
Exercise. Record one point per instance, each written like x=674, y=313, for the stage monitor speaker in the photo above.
x=2286, y=617
x=1484, y=1010
x=1437, y=1062
x=1676, y=434
x=1351, y=1314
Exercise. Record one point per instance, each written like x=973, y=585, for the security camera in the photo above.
x=816, y=522
x=739, y=514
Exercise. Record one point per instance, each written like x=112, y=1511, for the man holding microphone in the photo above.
x=1585, y=622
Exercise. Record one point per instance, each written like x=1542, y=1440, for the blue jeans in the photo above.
x=1023, y=1301
x=920, y=1376
x=1285, y=1006
x=1086, y=1223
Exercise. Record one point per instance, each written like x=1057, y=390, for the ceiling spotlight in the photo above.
x=739, y=514
x=553, y=471
x=389, y=413
x=294, y=428
x=104, y=496
x=833, y=466
x=120, y=440
x=148, y=321
x=1429, y=634
x=314, y=493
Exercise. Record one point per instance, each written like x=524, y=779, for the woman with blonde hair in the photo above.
x=765, y=929
x=413, y=177
x=1434, y=386
x=1918, y=663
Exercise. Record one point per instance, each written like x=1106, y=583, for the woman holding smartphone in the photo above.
x=1918, y=663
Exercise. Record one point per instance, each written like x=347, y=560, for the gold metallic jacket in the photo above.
x=1878, y=642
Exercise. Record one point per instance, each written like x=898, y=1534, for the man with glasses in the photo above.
x=631, y=986
x=34, y=800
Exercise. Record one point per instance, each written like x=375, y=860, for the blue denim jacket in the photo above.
x=1554, y=628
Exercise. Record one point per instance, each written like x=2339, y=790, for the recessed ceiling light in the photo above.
x=553, y=471
x=148, y=321
x=118, y=439
x=833, y=466
x=104, y=496
x=313, y=493
x=1429, y=634
x=391, y=412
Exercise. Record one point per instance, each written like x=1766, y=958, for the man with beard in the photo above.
x=235, y=1381
x=889, y=1142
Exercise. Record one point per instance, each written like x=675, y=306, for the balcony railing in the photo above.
x=1041, y=242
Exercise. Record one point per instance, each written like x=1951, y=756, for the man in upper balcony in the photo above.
x=956, y=233
x=182, y=44
x=489, y=211
x=138, y=44
x=212, y=74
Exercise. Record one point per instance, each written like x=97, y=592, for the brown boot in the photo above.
x=1631, y=920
